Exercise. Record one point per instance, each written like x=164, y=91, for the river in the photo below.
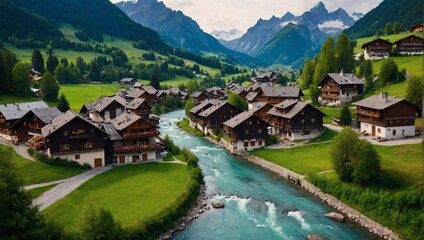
x=258, y=203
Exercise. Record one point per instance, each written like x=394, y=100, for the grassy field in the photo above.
x=397, y=89
x=412, y=64
x=334, y=112
x=38, y=172
x=7, y=98
x=132, y=193
x=78, y=94
x=402, y=162
x=327, y=135
x=391, y=38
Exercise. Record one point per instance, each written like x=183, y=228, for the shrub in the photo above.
x=57, y=161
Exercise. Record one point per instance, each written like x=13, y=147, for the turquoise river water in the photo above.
x=258, y=203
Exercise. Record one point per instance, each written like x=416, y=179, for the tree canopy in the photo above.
x=414, y=91
x=237, y=101
x=21, y=83
x=49, y=87
x=345, y=117
x=37, y=61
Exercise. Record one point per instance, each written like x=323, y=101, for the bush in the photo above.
x=57, y=161
x=272, y=139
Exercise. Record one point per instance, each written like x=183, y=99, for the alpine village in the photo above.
x=128, y=120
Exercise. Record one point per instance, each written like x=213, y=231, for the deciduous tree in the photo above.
x=21, y=83
x=344, y=54
x=326, y=61
x=237, y=101
x=52, y=63
x=388, y=72
x=9, y=61
x=414, y=91
x=345, y=117
x=189, y=105
x=307, y=73
x=98, y=223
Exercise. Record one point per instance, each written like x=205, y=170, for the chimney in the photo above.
x=381, y=95
x=341, y=72
x=386, y=97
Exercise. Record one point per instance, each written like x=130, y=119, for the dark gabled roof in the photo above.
x=238, y=90
x=219, y=104
x=134, y=104
x=379, y=102
x=293, y=106
x=251, y=96
x=375, y=40
x=127, y=80
x=238, y=119
x=46, y=115
x=343, y=79
x=135, y=94
x=282, y=91
x=126, y=119
x=258, y=106
x=106, y=101
x=149, y=88
x=15, y=111
x=200, y=106
x=111, y=131
x=138, y=84
x=410, y=36
x=286, y=104
x=61, y=121
x=253, y=88
x=212, y=89
x=196, y=94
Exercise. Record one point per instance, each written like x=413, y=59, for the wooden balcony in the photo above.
x=329, y=95
x=136, y=148
x=375, y=114
x=153, y=133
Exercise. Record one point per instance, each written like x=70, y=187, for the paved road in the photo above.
x=19, y=149
x=63, y=189
x=29, y=187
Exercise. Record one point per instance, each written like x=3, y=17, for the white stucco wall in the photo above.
x=387, y=133
x=240, y=144
x=370, y=56
x=302, y=136
x=412, y=53
x=86, y=157
x=151, y=156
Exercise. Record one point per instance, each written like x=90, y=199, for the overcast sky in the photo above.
x=242, y=14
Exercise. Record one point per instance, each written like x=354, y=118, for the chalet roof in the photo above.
x=344, y=79
x=61, y=121
x=253, y=88
x=379, y=102
x=236, y=120
x=137, y=102
x=294, y=107
x=202, y=105
x=281, y=92
x=251, y=96
x=135, y=94
x=102, y=103
x=212, y=89
x=375, y=40
x=15, y=111
x=286, y=103
x=47, y=114
x=149, y=88
x=258, y=106
x=410, y=36
x=138, y=85
x=218, y=104
x=111, y=131
x=127, y=80
x=196, y=94
x=124, y=120
x=238, y=90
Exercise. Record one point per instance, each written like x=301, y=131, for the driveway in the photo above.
x=63, y=189
x=19, y=149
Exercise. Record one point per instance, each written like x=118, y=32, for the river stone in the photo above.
x=335, y=216
x=218, y=204
x=315, y=236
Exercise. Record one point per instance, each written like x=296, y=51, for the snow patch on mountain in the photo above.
x=332, y=24
x=227, y=35
x=283, y=24
x=356, y=16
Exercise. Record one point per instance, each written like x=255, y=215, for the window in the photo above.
x=259, y=130
x=64, y=146
x=250, y=122
x=303, y=120
x=394, y=132
x=88, y=145
x=65, y=133
x=246, y=144
x=260, y=142
x=312, y=120
x=24, y=123
x=252, y=143
x=379, y=130
x=303, y=112
x=246, y=131
x=77, y=157
x=92, y=130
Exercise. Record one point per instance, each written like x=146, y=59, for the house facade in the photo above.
x=246, y=131
x=261, y=111
x=104, y=109
x=72, y=137
x=385, y=117
x=296, y=120
x=128, y=81
x=377, y=49
x=340, y=88
x=411, y=45
x=417, y=28
x=272, y=95
x=140, y=106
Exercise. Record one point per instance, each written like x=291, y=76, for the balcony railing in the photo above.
x=136, y=148
x=368, y=113
x=142, y=134
x=81, y=136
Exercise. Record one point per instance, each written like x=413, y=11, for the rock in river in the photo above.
x=315, y=236
x=335, y=216
x=217, y=204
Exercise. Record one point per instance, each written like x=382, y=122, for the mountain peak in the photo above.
x=320, y=5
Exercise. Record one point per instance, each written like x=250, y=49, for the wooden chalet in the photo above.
x=138, y=85
x=199, y=97
x=31, y=123
x=339, y=88
x=151, y=98
x=266, y=78
x=104, y=109
x=140, y=107
x=273, y=95
x=261, y=110
x=216, y=92
x=417, y=28
x=11, y=113
x=231, y=86
x=210, y=115
x=411, y=45
x=131, y=138
x=35, y=75
x=246, y=131
x=127, y=81
x=377, y=49
x=72, y=137
x=296, y=120
x=385, y=117
x=36, y=92
x=240, y=91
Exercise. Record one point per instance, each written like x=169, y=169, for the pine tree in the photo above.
x=80, y=64
x=49, y=87
x=94, y=73
x=414, y=91
x=3, y=87
x=326, y=61
x=308, y=73
x=396, y=27
x=52, y=63
x=37, y=61
x=60, y=73
x=21, y=83
x=62, y=103
x=388, y=29
x=344, y=54
x=345, y=117
x=154, y=81
x=9, y=61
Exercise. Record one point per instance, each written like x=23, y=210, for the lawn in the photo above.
x=397, y=89
x=334, y=113
x=38, y=172
x=402, y=162
x=8, y=98
x=132, y=193
x=79, y=94
x=36, y=192
x=391, y=38
x=412, y=64
x=327, y=135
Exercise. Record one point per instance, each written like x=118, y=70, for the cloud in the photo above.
x=242, y=14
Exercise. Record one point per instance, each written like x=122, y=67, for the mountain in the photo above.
x=227, y=36
x=320, y=23
x=179, y=30
x=407, y=12
x=290, y=46
x=93, y=17
x=356, y=16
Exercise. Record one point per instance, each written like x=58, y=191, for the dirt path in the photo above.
x=63, y=189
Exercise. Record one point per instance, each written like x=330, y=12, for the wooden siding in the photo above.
x=30, y=123
x=400, y=114
x=252, y=128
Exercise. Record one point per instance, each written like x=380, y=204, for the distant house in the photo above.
x=411, y=45
x=417, y=28
x=296, y=120
x=31, y=123
x=36, y=92
x=386, y=117
x=231, y=86
x=127, y=81
x=138, y=85
x=261, y=110
x=210, y=115
x=240, y=91
x=132, y=138
x=35, y=75
x=72, y=137
x=199, y=97
x=104, y=109
x=11, y=113
x=140, y=107
x=266, y=78
x=216, y=92
x=377, y=49
x=246, y=131
x=340, y=88
x=273, y=95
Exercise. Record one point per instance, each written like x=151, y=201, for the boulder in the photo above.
x=315, y=236
x=218, y=204
x=335, y=216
